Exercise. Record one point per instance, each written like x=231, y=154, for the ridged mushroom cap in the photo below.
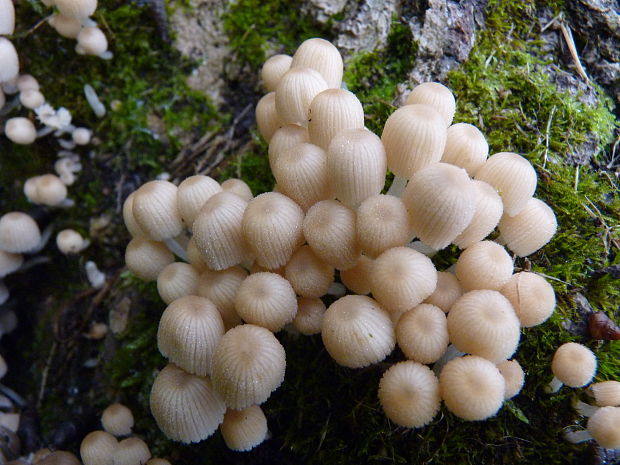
x=9, y=262
x=301, y=174
x=414, y=137
x=186, y=407
x=273, y=69
x=309, y=276
x=18, y=232
x=332, y=111
x=130, y=222
x=192, y=194
x=472, y=388
x=97, y=448
x=189, y=331
x=272, y=228
x=574, y=364
x=329, y=229
x=485, y=265
x=248, y=365
x=239, y=187
x=441, y=200
x=9, y=59
x=285, y=139
x=484, y=323
x=322, y=56
x=422, y=333
x=177, y=280
x=357, y=332
x=382, y=223
x=531, y=296
x=267, y=118
x=513, y=376
x=447, y=292
x=530, y=229
x=79, y=9
x=294, y=93
x=606, y=393
x=147, y=258
x=266, y=299
x=489, y=209
x=409, y=394
x=218, y=233
x=194, y=256
x=7, y=17
x=155, y=210
x=466, y=147
x=356, y=165
x=357, y=279
x=70, y=242
x=221, y=287
x=117, y=420
x=402, y=278
x=245, y=429
x=604, y=426
x=514, y=178
x=437, y=96
x=309, y=317
x=131, y=451
x=20, y=130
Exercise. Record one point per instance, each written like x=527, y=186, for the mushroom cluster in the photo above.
x=253, y=265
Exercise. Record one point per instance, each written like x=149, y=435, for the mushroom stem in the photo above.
x=93, y=101
x=577, y=436
x=107, y=55
x=450, y=353
x=44, y=131
x=45, y=237
x=584, y=409
x=11, y=394
x=34, y=261
x=554, y=386
x=398, y=186
x=422, y=248
x=176, y=249
x=95, y=277
x=4, y=293
x=337, y=289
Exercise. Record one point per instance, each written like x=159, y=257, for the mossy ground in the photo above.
x=322, y=413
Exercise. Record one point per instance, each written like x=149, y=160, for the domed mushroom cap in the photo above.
x=285, y=139
x=272, y=228
x=186, y=407
x=9, y=60
x=47, y=189
x=513, y=376
x=447, y=292
x=466, y=147
x=245, y=429
x=402, y=278
x=531, y=296
x=485, y=265
x=177, y=280
x=441, y=200
x=422, y=333
x=79, y=9
x=332, y=111
x=414, y=137
x=192, y=194
x=437, y=96
x=267, y=118
x=489, y=209
x=356, y=165
x=20, y=130
x=382, y=223
x=309, y=276
x=81, y=136
x=514, y=178
x=131, y=451
x=7, y=17
x=472, y=388
x=309, y=317
x=604, y=426
x=31, y=98
x=530, y=229
x=248, y=365
x=155, y=210
x=70, y=242
x=574, y=364
x=97, y=448
x=218, y=232
x=409, y=394
x=239, y=187
x=357, y=279
x=130, y=222
x=117, y=420
x=221, y=287
x=65, y=26
x=9, y=262
x=91, y=41
x=267, y=300
x=322, y=56
x=484, y=323
x=606, y=393
x=18, y=232
x=189, y=331
x=295, y=91
x=357, y=331
x=273, y=69
x=147, y=258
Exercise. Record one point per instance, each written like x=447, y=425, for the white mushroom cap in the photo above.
x=117, y=420
x=606, y=393
x=531, y=296
x=27, y=82
x=192, y=194
x=409, y=394
x=9, y=262
x=332, y=111
x=489, y=209
x=70, y=242
x=147, y=258
x=177, y=280
x=295, y=92
x=131, y=451
x=513, y=375
x=285, y=139
x=7, y=17
x=221, y=287
x=97, y=448
x=81, y=136
x=422, y=333
x=273, y=69
x=48, y=190
x=18, y=232
x=239, y=187
x=130, y=222
x=465, y=147
x=79, y=9
x=20, y=130
x=267, y=118
x=604, y=426
x=9, y=60
x=357, y=279
x=437, y=96
x=155, y=210
x=31, y=98
x=448, y=290
x=484, y=265
x=574, y=364
x=530, y=229
x=309, y=317
x=309, y=276
x=323, y=56
x=245, y=429
x=65, y=26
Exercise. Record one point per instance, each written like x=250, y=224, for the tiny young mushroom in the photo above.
x=245, y=429
x=97, y=448
x=117, y=420
x=70, y=242
x=574, y=365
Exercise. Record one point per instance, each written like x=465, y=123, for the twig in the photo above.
x=568, y=37
x=547, y=136
x=46, y=370
x=576, y=178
